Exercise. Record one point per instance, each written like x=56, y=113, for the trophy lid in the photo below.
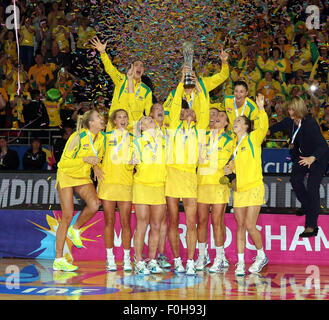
x=188, y=46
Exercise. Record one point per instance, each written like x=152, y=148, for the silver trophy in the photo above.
x=188, y=52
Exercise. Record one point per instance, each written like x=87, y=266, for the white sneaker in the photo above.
x=178, y=265
x=202, y=262
x=240, y=269
x=163, y=261
x=226, y=264
x=127, y=266
x=217, y=266
x=110, y=264
x=190, y=268
x=258, y=265
x=154, y=267
x=141, y=269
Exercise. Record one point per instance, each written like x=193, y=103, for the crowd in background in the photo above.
x=49, y=82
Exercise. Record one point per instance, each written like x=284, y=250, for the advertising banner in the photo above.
x=28, y=190
x=32, y=234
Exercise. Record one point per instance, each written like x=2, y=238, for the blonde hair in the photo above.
x=82, y=123
x=114, y=115
x=297, y=105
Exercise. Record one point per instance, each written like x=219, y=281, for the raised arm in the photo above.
x=203, y=116
x=176, y=105
x=110, y=69
x=261, y=122
x=218, y=78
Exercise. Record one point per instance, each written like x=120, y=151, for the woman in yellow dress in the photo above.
x=149, y=200
x=182, y=162
x=83, y=151
x=249, y=193
x=214, y=156
x=116, y=188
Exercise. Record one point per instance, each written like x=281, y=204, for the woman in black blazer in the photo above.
x=310, y=154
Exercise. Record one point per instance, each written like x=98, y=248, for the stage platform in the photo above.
x=34, y=279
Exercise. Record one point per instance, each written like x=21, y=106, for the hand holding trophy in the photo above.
x=229, y=176
x=188, y=52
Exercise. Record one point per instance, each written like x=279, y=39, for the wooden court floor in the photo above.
x=31, y=279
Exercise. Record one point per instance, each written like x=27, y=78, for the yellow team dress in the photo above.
x=213, y=157
x=72, y=170
x=118, y=173
x=248, y=109
x=142, y=95
x=207, y=84
x=183, y=148
x=248, y=166
x=150, y=176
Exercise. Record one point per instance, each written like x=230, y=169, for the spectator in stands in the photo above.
x=61, y=34
x=27, y=33
x=8, y=158
x=53, y=104
x=54, y=15
x=45, y=34
x=302, y=59
x=35, y=113
x=40, y=75
x=10, y=46
x=34, y=158
x=3, y=105
x=268, y=87
x=12, y=78
x=17, y=101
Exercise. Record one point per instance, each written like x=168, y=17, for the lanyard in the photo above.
x=164, y=135
x=214, y=145
x=92, y=144
x=295, y=134
x=186, y=135
x=236, y=149
x=138, y=90
x=190, y=104
x=236, y=108
x=154, y=150
x=118, y=147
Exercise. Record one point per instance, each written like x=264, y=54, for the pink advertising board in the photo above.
x=280, y=233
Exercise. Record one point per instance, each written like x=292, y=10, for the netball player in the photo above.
x=83, y=151
x=181, y=170
x=116, y=187
x=214, y=156
x=149, y=193
x=249, y=195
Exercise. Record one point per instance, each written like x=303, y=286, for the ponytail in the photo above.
x=82, y=123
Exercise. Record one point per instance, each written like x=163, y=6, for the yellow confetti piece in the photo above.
x=49, y=207
x=48, y=178
x=99, y=236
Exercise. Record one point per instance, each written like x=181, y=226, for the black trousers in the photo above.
x=309, y=195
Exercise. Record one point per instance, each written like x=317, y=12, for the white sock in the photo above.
x=241, y=258
x=261, y=253
x=109, y=252
x=58, y=259
x=126, y=254
x=202, y=249
x=220, y=252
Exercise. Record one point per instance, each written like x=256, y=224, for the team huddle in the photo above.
x=154, y=156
